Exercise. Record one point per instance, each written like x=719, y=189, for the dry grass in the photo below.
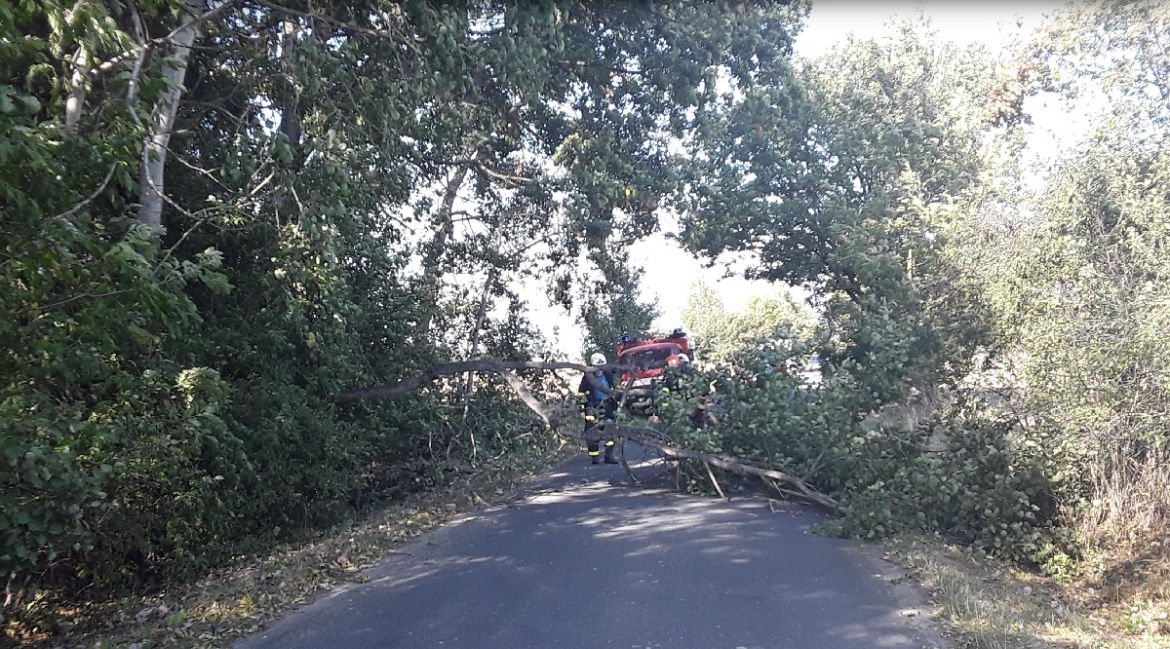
x=230, y=603
x=1117, y=595
x=1125, y=530
x=990, y=605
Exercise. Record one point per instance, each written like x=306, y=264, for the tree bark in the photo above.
x=290, y=118
x=79, y=83
x=162, y=122
x=480, y=316
x=647, y=437
x=417, y=381
x=481, y=312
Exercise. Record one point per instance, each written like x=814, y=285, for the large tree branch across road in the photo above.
x=413, y=383
x=640, y=435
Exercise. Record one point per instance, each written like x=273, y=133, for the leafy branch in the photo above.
x=639, y=434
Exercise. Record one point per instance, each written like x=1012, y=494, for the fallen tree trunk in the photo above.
x=639, y=435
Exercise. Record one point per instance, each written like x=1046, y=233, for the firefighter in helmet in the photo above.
x=668, y=384
x=596, y=403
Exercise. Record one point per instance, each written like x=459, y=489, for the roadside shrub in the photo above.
x=47, y=488
x=975, y=475
x=172, y=497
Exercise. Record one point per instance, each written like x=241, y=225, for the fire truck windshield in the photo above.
x=649, y=359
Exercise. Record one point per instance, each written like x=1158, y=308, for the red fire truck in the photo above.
x=647, y=360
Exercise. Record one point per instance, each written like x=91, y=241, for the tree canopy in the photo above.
x=216, y=217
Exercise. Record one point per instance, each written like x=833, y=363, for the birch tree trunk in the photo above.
x=78, y=84
x=162, y=121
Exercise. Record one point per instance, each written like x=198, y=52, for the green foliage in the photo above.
x=1112, y=48
x=718, y=334
x=612, y=309
x=88, y=303
x=979, y=478
x=1091, y=287
x=848, y=187
x=1076, y=278
x=166, y=392
x=171, y=495
x=47, y=492
x=921, y=260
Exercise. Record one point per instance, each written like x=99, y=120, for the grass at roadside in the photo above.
x=992, y=605
x=230, y=603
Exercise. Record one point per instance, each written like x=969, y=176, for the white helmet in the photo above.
x=597, y=359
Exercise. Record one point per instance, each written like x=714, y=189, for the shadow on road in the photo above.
x=583, y=559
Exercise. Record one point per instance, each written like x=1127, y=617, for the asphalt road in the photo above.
x=582, y=559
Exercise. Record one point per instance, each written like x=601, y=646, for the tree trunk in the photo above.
x=443, y=226
x=78, y=83
x=480, y=315
x=162, y=122
x=290, y=118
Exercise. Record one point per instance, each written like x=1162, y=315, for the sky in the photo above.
x=668, y=271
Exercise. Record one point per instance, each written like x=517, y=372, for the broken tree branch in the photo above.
x=648, y=437
x=89, y=199
x=450, y=369
x=413, y=383
x=711, y=474
x=645, y=436
x=626, y=465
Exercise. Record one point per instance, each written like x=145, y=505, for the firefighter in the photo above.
x=667, y=384
x=597, y=405
x=671, y=376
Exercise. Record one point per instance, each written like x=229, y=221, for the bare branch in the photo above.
x=647, y=437
x=171, y=250
x=73, y=210
x=480, y=167
x=549, y=417
x=415, y=382
x=711, y=474
x=145, y=45
x=200, y=19
x=44, y=310
x=132, y=86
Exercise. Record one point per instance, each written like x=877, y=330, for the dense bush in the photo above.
x=976, y=475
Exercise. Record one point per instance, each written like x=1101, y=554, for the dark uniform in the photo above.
x=597, y=406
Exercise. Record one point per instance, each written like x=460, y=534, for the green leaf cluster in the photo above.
x=716, y=334
x=979, y=478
